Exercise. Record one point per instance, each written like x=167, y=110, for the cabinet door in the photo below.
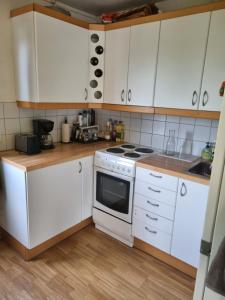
x=189, y=221
x=142, y=63
x=214, y=71
x=54, y=200
x=62, y=60
x=116, y=65
x=88, y=184
x=181, y=58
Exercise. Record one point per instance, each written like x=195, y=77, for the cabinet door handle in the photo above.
x=153, y=190
x=156, y=176
x=129, y=95
x=86, y=94
x=151, y=218
x=194, y=98
x=80, y=164
x=122, y=95
x=151, y=231
x=205, y=98
x=152, y=204
x=183, y=190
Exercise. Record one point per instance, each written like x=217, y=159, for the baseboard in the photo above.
x=28, y=254
x=166, y=258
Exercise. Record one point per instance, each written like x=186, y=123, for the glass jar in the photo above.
x=171, y=143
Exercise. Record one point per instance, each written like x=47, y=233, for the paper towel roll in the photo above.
x=65, y=133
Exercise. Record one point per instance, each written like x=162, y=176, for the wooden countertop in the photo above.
x=170, y=166
x=61, y=153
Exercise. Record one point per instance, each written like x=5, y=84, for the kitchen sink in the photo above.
x=202, y=168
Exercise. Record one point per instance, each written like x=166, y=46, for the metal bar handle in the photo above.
x=205, y=98
x=129, y=95
x=156, y=176
x=80, y=164
x=153, y=190
x=122, y=95
x=194, y=98
x=151, y=231
x=151, y=218
x=153, y=204
x=86, y=94
x=183, y=190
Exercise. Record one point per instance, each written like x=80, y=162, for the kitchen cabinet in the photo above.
x=144, y=41
x=189, y=221
x=116, y=65
x=51, y=59
x=214, y=70
x=51, y=200
x=130, y=64
x=181, y=56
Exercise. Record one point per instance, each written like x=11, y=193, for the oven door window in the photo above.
x=113, y=192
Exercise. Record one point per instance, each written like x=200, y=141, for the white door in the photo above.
x=116, y=65
x=54, y=200
x=62, y=60
x=181, y=58
x=214, y=71
x=144, y=41
x=189, y=221
x=88, y=185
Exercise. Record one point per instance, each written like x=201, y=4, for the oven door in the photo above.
x=113, y=194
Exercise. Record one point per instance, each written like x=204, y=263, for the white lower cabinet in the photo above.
x=46, y=201
x=170, y=221
x=189, y=221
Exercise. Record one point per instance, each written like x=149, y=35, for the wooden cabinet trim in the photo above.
x=166, y=258
x=28, y=254
x=49, y=12
x=213, y=115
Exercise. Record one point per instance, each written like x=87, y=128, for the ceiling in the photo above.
x=97, y=7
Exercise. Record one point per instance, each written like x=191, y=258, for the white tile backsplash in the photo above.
x=147, y=126
x=201, y=133
x=159, y=127
x=11, y=110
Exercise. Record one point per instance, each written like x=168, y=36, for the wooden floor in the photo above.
x=90, y=265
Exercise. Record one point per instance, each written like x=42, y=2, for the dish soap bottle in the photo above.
x=171, y=144
x=206, y=152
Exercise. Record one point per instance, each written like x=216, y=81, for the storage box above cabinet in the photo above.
x=51, y=59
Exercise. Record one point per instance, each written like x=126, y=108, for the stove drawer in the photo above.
x=156, y=178
x=154, y=220
x=154, y=206
x=154, y=192
x=152, y=235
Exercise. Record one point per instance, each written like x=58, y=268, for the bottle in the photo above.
x=80, y=119
x=84, y=118
x=118, y=132
x=65, y=132
x=122, y=131
x=114, y=131
x=171, y=143
x=206, y=152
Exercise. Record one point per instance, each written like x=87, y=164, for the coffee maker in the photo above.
x=42, y=129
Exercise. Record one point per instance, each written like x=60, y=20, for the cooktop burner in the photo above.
x=115, y=150
x=132, y=155
x=144, y=150
x=127, y=146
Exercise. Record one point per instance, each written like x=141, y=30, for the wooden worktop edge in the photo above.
x=186, y=176
x=49, y=12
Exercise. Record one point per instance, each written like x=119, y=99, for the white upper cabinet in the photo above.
x=214, y=71
x=116, y=65
x=181, y=59
x=144, y=41
x=189, y=221
x=51, y=59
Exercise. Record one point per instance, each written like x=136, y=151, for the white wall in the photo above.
x=7, y=84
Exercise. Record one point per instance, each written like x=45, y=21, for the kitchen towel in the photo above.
x=215, y=279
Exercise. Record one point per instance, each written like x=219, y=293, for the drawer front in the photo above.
x=154, y=220
x=157, y=193
x=156, y=178
x=154, y=206
x=152, y=235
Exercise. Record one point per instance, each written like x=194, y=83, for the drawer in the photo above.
x=151, y=235
x=154, y=220
x=156, y=178
x=154, y=192
x=154, y=206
